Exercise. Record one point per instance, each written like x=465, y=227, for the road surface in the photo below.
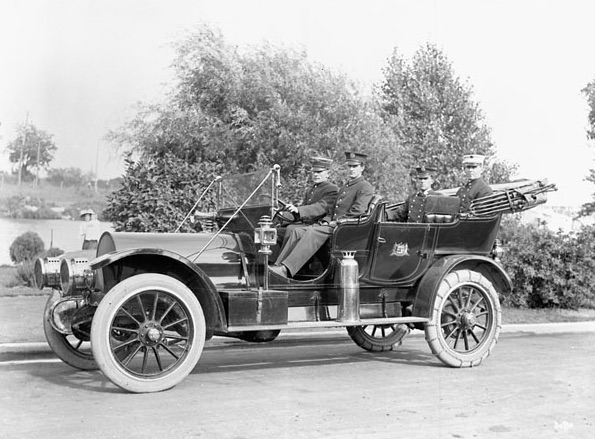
x=320, y=386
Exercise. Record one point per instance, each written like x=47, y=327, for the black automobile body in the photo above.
x=148, y=302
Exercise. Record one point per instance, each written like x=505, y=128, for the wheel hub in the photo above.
x=468, y=320
x=151, y=334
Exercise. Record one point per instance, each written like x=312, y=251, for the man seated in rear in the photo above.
x=412, y=210
x=475, y=187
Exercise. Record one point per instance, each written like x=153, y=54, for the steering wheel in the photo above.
x=283, y=217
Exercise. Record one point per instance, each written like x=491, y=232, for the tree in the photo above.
x=158, y=192
x=35, y=145
x=241, y=110
x=589, y=92
x=434, y=116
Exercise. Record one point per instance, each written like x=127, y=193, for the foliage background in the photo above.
x=241, y=109
x=548, y=269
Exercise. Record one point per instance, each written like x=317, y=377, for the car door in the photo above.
x=399, y=252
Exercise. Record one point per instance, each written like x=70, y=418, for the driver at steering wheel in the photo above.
x=304, y=241
x=320, y=197
x=317, y=200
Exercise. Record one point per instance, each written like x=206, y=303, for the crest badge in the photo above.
x=400, y=249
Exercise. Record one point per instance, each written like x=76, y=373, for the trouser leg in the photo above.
x=302, y=243
x=292, y=236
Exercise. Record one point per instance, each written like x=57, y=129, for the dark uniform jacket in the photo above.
x=319, y=199
x=302, y=242
x=412, y=211
x=352, y=201
x=473, y=189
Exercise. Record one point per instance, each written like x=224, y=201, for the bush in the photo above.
x=25, y=274
x=548, y=269
x=26, y=247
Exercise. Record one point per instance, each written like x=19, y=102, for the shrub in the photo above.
x=25, y=274
x=548, y=269
x=26, y=247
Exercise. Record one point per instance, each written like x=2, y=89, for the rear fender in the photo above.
x=428, y=286
x=115, y=267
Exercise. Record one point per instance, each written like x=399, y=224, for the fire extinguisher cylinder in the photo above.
x=348, y=310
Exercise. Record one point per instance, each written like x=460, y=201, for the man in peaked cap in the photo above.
x=301, y=243
x=412, y=210
x=320, y=197
x=317, y=200
x=475, y=187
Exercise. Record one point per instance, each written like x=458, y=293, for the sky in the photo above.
x=77, y=68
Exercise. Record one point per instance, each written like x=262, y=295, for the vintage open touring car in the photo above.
x=142, y=308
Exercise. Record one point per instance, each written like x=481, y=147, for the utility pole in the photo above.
x=37, y=167
x=23, y=148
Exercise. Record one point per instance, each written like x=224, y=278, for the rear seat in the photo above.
x=441, y=209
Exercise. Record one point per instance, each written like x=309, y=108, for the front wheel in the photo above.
x=148, y=333
x=72, y=350
x=466, y=319
x=378, y=338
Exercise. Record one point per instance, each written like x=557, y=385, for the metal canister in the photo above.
x=348, y=310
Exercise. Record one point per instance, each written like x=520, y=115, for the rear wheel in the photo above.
x=466, y=319
x=72, y=350
x=148, y=333
x=378, y=338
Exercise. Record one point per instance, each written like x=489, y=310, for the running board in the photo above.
x=329, y=324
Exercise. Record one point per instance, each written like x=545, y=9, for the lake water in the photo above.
x=63, y=234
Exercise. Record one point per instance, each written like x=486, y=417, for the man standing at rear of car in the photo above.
x=412, y=210
x=475, y=187
x=301, y=243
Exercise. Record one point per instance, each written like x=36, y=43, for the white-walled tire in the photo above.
x=466, y=319
x=148, y=333
x=378, y=338
x=70, y=349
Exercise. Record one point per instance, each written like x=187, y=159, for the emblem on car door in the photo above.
x=400, y=249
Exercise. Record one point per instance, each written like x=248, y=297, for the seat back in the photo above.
x=364, y=216
x=372, y=205
x=441, y=209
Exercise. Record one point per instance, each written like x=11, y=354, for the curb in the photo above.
x=536, y=328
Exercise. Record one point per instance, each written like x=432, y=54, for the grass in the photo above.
x=509, y=315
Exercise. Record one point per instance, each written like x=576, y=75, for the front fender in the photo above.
x=116, y=266
x=428, y=286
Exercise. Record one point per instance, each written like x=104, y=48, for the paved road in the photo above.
x=535, y=384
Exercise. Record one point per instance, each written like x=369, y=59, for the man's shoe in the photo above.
x=280, y=270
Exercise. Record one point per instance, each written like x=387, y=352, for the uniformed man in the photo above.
x=475, y=187
x=412, y=210
x=301, y=243
x=318, y=200
x=320, y=197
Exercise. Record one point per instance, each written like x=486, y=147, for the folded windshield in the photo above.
x=237, y=188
